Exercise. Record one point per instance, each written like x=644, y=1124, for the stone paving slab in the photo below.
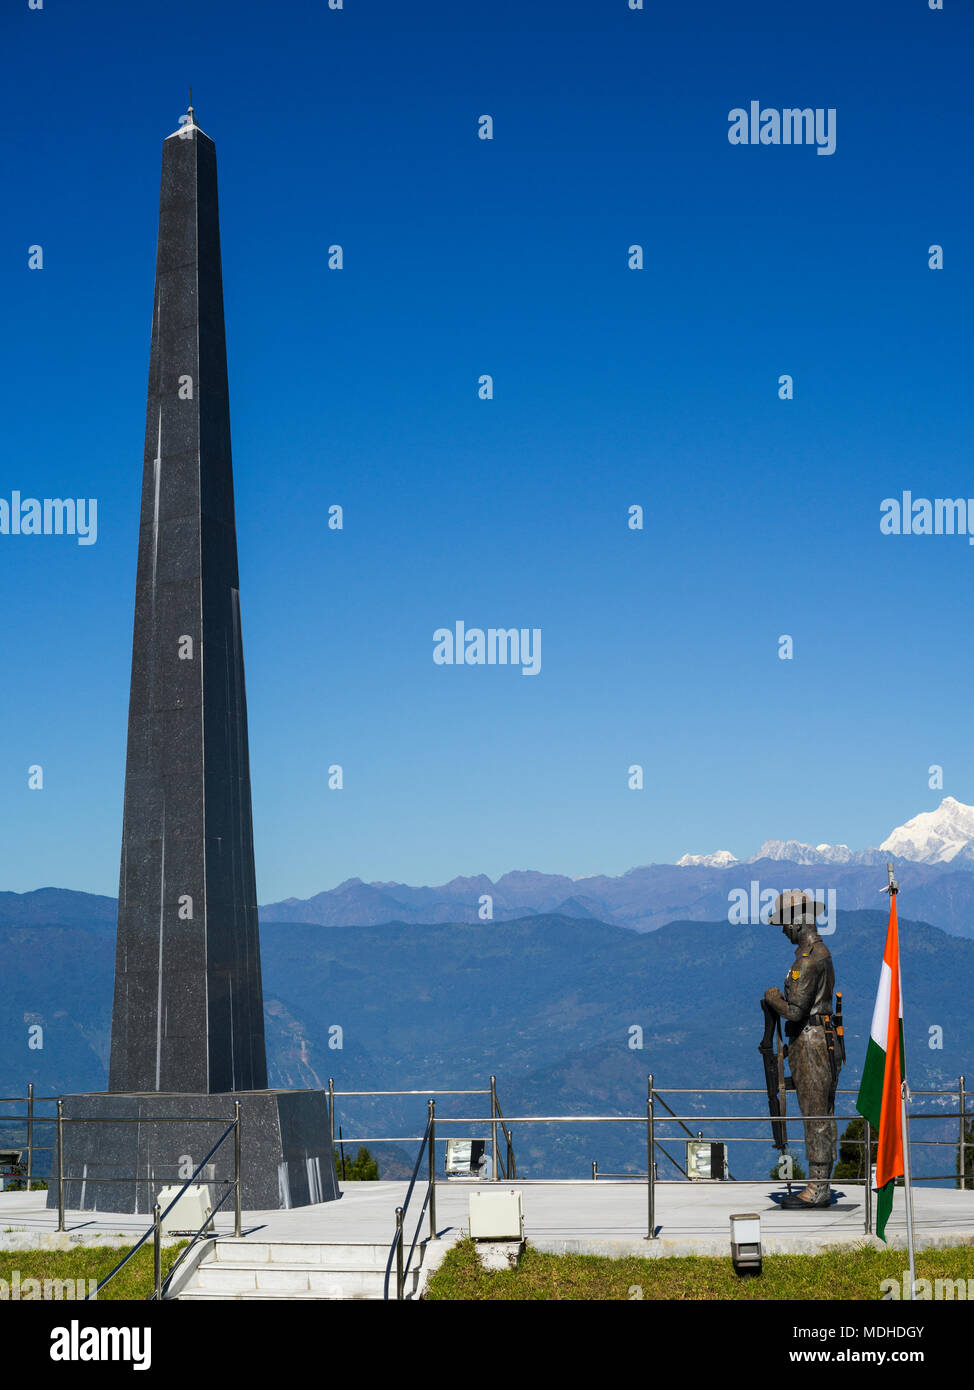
x=585, y=1217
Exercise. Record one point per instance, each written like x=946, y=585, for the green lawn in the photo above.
x=84, y=1262
x=837, y=1274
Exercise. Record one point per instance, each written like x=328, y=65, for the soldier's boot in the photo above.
x=817, y=1193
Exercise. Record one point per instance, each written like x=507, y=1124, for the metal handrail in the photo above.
x=510, y=1167
x=30, y=1119
x=640, y=1119
x=383, y=1139
x=653, y=1144
x=59, y=1120
x=155, y=1230
x=508, y=1162
x=183, y=1253
x=758, y=1091
x=140, y=1119
x=63, y=1119
x=431, y=1091
x=396, y=1249
x=481, y=1091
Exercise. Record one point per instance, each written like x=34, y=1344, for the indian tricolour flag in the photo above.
x=880, y=1094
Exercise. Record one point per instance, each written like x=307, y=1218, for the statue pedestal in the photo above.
x=286, y=1155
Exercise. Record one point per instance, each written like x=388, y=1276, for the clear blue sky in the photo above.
x=612, y=387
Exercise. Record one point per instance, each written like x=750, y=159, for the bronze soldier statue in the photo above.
x=814, y=1049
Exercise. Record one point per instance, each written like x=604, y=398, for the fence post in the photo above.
x=650, y=1165
x=868, y=1169
x=331, y=1108
x=30, y=1132
x=432, y=1155
x=595, y=1170
x=493, y=1129
x=400, y=1281
x=157, y=1249
x=962, y=1097
x=60, y=1164
x=237, y=1203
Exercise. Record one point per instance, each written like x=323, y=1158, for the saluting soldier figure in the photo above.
x=813, y=1047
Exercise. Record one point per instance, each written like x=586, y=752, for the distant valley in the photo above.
x=570, y=990
x=549, y=1003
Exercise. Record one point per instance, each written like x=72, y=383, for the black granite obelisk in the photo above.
x=188, y=1012
x=187, y=1026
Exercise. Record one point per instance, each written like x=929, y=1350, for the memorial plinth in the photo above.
x=160, y=1138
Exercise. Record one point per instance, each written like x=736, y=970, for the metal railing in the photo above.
x=158, y=1216
x=396, y=1249
x=30, y=1120
x=430, y=1142
x=961, y=1144
x=60, y=1179
x=653, y=1145
x=507, y=1162
x=510, y=1167
x=427, y=1146
x=159, y=1289
x=495, y=1120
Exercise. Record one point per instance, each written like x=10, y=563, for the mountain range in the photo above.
x=571, y=1015
x=544, y=990
x=942, y=836
x=933, y=854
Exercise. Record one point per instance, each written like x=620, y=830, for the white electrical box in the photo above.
x=496, y=1216
x=193, y=1210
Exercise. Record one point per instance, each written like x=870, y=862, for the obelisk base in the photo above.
x=158, y=1139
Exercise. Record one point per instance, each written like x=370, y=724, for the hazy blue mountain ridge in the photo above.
x=641, y=899
x=548, y=1003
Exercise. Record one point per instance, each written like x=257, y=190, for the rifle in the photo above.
x=839, y=1028
x=835, y=1038
x=774, y=1074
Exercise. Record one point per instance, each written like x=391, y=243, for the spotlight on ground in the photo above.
x=746, y=1243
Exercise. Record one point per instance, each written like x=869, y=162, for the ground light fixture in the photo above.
x=746, y=1243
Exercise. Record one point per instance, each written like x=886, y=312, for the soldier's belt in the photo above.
x=819, y=1020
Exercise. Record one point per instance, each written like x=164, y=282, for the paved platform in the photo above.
x=585, y=1217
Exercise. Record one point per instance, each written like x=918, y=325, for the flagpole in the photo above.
x=908, y=1190
x=905, y=1131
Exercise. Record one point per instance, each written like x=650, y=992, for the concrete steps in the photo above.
x=299, y=1270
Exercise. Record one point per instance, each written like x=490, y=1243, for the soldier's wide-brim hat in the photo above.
x=795, y=909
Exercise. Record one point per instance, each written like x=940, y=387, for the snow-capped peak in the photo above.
x=797, y=852
x=720, y=859
x=935, y=837
x=932, y=837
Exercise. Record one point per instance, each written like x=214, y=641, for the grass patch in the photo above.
x=835, y=1274
x=84, y=1262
